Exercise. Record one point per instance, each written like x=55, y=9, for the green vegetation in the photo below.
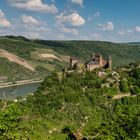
x=72, y=106
x=31, y=50
x=122, y=54
x=13, y=71
x=77, y=106
x=18, y=47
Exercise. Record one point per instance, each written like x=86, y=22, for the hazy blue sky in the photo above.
x=110, y=20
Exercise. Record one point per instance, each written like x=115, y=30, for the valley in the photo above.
x=69, y=70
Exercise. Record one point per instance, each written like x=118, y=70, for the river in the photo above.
x=20, y=90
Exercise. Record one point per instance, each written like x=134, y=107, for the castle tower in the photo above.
x=99, y=59
x=110, y=62
x=92, y=56
x=73, y=62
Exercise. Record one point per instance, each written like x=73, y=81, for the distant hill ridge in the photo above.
x=121, y=53
x=134, y=43
x=32, y=50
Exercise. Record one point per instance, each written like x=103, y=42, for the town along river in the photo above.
x=19, y=90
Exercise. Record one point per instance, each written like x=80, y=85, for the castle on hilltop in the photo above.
x=96, y=61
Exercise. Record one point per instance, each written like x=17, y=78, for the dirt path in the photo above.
x=13, y=58
x=119, y=96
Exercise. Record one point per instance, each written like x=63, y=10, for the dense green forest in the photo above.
x=30, y=51
x=77, y=106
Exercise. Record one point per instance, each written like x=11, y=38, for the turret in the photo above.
x=99, y=59
x=110, y=62
x=92, y=56
x=73, y=62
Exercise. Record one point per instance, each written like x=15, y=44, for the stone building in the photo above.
x=76, y=64
x=73, y=62
x=96, y=61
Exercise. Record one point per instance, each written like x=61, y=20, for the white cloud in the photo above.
x=137, y=29
x=96, y=36
x=125, y=32
x=38, y=29
x=122, y=33
x=79, y=2
x=29, y=20
x=32, y=35
x=68, y=30
x=33, y=5
x=3, y=21
x=96, y=15
x=1, y=13
x=108, y=26
x=129, y=31
x=73, y=19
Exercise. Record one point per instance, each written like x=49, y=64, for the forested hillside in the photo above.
x=77, y=106
x=14, y=72
x=122, y=54
x=46, y=56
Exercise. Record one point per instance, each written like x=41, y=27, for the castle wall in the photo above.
x=96, y=61
x=92, y=67
x=73, y=62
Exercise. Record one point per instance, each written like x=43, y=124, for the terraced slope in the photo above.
x=13, y=58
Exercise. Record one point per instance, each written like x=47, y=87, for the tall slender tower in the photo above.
x=73, y=62
x=110, y=62
x=92, y=56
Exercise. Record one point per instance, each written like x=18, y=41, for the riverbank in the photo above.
x=17, y=83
